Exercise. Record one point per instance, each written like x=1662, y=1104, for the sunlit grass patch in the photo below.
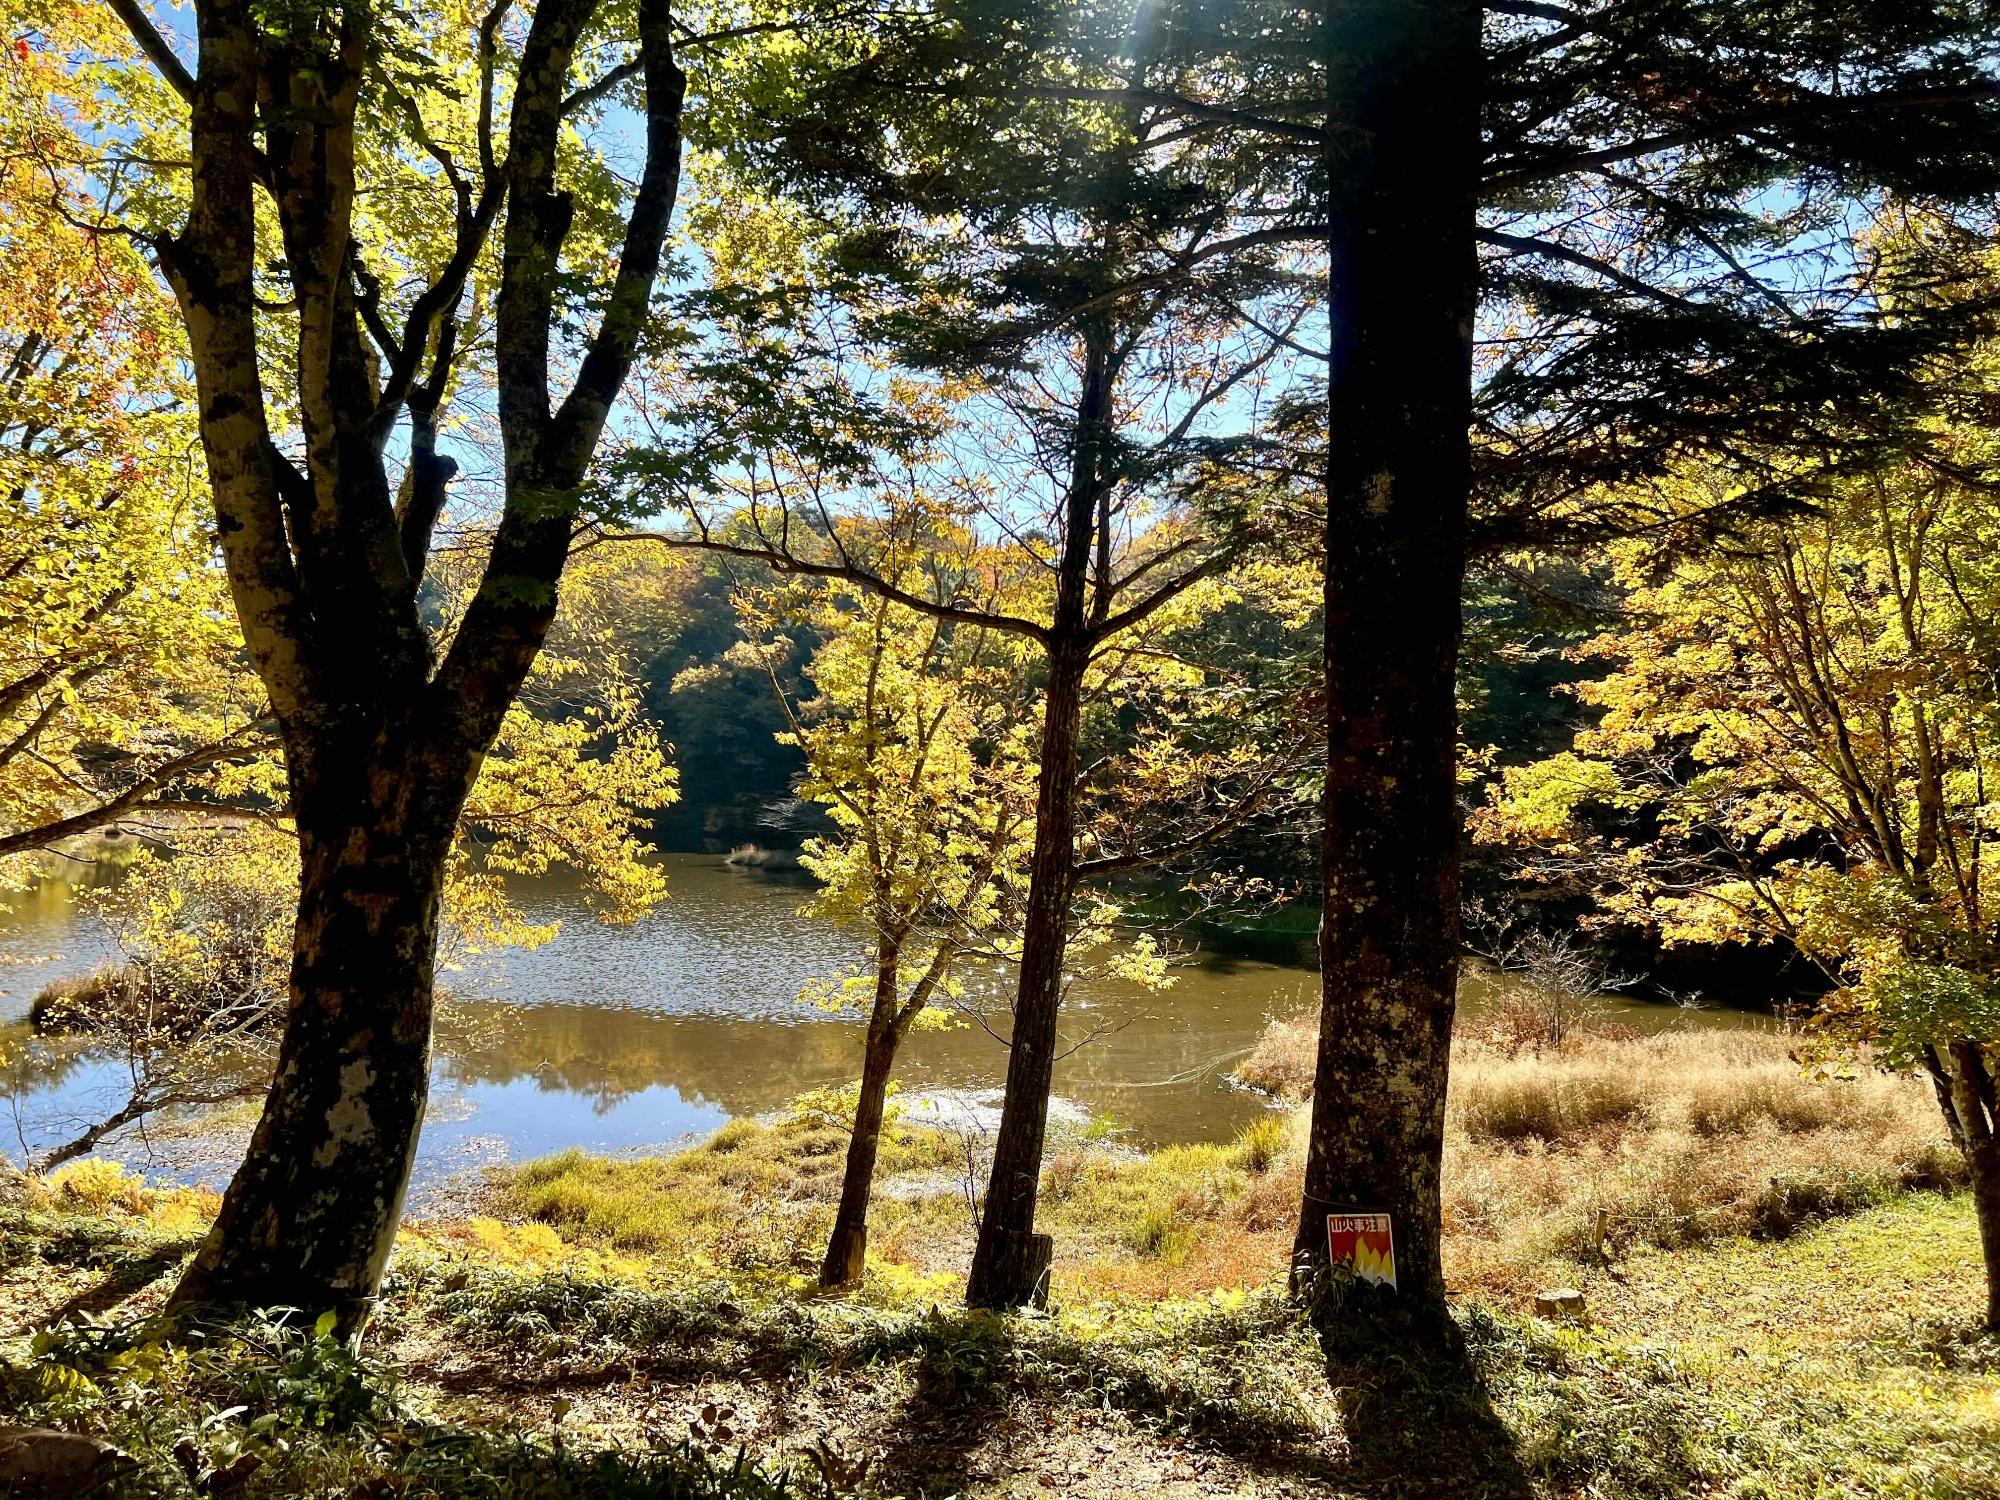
x=1611, y=1142
x=99, y=1187
x=1839, y=1362
x=755, y=1196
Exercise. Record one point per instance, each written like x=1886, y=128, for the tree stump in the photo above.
x=1563, y=1304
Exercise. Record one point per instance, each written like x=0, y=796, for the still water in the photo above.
x=619, y=1038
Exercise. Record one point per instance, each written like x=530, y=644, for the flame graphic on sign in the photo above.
x=1364, y=1244
x=1374, y=1261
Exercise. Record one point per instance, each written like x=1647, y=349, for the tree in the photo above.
x=1091, y=379
x=1090, y=575
x=1567, y=228
x=918, y=744
x=1403, y=81
x=122, y=693
x=192, y=1014
x=128, y=700
x=294, y=115
x=204, y=914
x=1795, y=743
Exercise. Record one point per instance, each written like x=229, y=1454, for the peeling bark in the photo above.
x=310, y=1216
x=1402, y=162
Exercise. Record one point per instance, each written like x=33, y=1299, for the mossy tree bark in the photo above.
x=1402, y=167
x=382, y=742
x=310, y=1215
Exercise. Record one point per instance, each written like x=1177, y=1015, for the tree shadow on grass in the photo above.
x=1414, y=1417
x=128, y=1277
x=1415, y=1411
x=931, y=1439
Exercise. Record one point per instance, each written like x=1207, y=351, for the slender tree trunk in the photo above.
x=1975, y=1125
x=1006, y=1264
x=1010, y=1260
x=1403, y=286
x=847, y=1247
x=309, y=1218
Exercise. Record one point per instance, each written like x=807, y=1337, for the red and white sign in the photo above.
x=1365, y=1244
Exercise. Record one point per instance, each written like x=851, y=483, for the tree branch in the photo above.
x=1550, y=250
x=1525, y=173
x=150, y=42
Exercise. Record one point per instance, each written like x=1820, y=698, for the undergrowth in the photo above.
x=1837, y=1362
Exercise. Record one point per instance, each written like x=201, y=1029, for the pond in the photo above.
x=622, y=1038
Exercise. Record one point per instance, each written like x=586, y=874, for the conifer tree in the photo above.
x=1106, y=363
x=1565, y=244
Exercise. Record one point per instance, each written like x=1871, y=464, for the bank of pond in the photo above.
x=1777, y=1278
x=615, y=1039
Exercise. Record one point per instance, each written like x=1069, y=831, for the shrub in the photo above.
x=1284, y=1058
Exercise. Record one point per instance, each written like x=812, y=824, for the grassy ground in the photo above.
x=1774, y=1312
x=1647, y=1142
x=1836, y=1362
x=1662, y=1141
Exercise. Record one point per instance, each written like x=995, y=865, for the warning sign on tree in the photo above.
x=1365, y=1244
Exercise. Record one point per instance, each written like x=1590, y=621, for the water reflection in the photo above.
x=618, y=1038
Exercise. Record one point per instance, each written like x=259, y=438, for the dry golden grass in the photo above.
x=1667, y=1140
x=1670, y=1140
x=1281, y=1063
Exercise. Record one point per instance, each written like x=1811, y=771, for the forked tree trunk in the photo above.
x=382, y=740
x=1402, y=164
x=847, y=1247
x=1007, y=1263
x=309, y=1217
x=1976, y=1127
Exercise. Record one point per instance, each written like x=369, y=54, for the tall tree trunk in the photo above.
x=1976, y=1126
x=1402, y=296
x=381, y=740
x=847, y=1247
x=309, y=1217
x=1010, y=1259
x=1005, y=1264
